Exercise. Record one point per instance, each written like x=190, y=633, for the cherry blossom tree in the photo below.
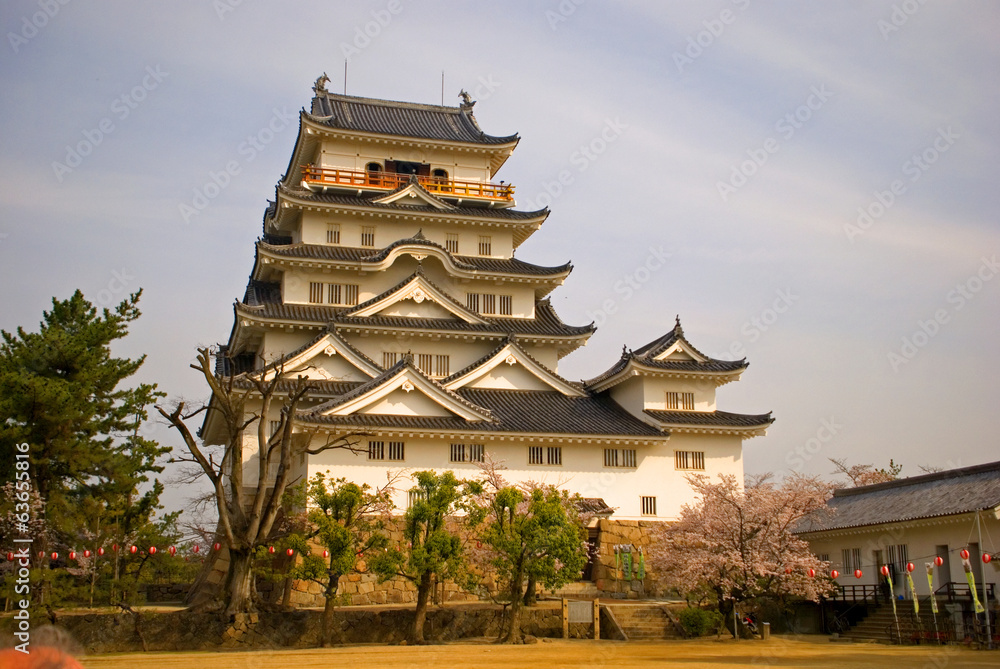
x=738, y=543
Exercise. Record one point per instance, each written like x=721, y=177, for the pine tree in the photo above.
x=62, y=393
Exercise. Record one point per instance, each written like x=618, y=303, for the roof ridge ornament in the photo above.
x=467, y=101
x=320, y=85
x=677, y=327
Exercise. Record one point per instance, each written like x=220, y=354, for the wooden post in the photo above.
x=597, y=618
x=565, y=617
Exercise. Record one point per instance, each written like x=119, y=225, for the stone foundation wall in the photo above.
x=166, y=592
x=144, y=631
x=611, y=581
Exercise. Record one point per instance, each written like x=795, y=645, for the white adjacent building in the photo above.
x=386, y=273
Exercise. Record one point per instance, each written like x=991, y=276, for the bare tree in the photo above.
x=247, y=513
x=860, y=475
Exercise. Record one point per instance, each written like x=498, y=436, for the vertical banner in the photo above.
x=930, y=585
x=970, y=577
x=892, y=593
x=913, y=593
x=642, y=565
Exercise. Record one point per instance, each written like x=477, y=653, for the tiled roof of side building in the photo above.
x=712, y=418
x=368, y=200
x=951, y=492
x=406, y=119
x=517, y=411
x=365, y=255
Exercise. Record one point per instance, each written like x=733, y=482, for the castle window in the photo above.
x=648, y=505
x=441, y=365
x=689, y=460
x=680, y=401
x=316, y=292
x=333, y=233
x=425, y=362
x=506, y=305
x=485, y=245
x=439, y=173
x=467, y=452
x=489, y=303
x=397, y=451
x=414, y=496
x=624, y=457
x=472, y=301
x=368, y=235
x=373, y=167
x=389, y=358
x=535, y=455
x=451, y=242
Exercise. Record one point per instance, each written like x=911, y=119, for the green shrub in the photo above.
x=699, y=621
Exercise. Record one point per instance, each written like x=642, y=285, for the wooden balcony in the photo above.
x=496, y=194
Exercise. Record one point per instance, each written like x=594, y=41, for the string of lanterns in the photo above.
x=884, y=569
x=134, y=550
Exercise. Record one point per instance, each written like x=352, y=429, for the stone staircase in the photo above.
x=644, y=621
x=880, y=625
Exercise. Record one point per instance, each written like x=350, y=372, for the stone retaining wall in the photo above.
x=612, y=582
x=148, y=631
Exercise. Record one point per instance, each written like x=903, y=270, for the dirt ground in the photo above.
x=803, y=651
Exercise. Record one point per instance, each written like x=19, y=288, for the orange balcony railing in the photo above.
x=330, y=176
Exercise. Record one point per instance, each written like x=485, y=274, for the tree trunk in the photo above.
x=530, y=592
x=513, y=632
x=423, y=594
x=329, y=606
x=239, y=582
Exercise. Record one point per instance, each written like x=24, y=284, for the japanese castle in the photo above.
x=386, y=274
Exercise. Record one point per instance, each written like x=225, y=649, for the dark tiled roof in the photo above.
x=368, y=200
x=545, y=323
x=226, y=365
x=645, y=356
x=399, y=286
x=317, y=388
x=594, y=505
x=947, y=493
x=365, y=255
x=711, y=418
x=261, y=292
x=517, y=411
x=407, y=119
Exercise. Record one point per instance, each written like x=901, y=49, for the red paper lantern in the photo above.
x=858, y=573
x=479, y=544
x=939, y=561
x=788, y=570
x=114, y=547
x=173, y=551
x=86, y=553
x=986, y=558
x=10, y=557
x=964, y=554
x=152, y=550
x=72, y=555
x=196, y=548
x=41, y=554
x=270, y=549
x=217, y=546
x=812, y=573
x=884, y=570
x=55, y=556
x=290, y=552
x=834, y=574
x=100, y=551
x=910, y=566
x=326, y=554
x=133, y=550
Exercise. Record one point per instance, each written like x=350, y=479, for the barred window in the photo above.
x=467, y=452
x=689, y=460
x=272, y=427
x=368, y=235
x=389, y=358
x=397, y=450
x=535, y=455
x=472, y=301
x=376, y=450
x=898, y=557
x=485, y=245
x=614, y=457
x=506, y=305
x=680, y=401
x=554, y=455
x=425, y=363
x=458, y=452
x=442, y=363
x=316, y=292
x=333, y=233
x=414, y=496
x=477, y=452
x=451, y=242
x=345, y=294
x=334, y=293
x=851, y=559
x=489, y=303
x=648, y=505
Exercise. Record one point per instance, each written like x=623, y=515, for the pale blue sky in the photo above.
x=671, y=98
